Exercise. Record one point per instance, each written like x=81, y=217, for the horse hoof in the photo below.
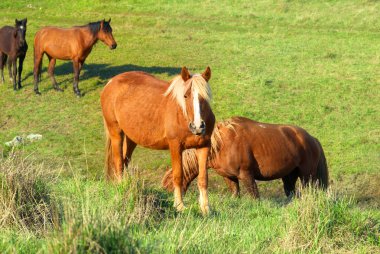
x=181, y=207
x=205, y=210
x=37, y=92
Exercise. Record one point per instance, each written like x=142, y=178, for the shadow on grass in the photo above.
x=103, y=71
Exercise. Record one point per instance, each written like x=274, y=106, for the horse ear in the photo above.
x=16, y=21
x=109, y=21
x=207, y=74
x=185, y=74
x=101, y=24
x=26, y=20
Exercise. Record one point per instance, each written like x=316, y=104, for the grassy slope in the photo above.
x=307, y=63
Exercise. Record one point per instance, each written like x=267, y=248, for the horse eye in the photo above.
x=185, y=96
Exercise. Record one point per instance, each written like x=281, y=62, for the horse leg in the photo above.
x=9, y=63
x=306, y=173
x=233, y=185
x=20, y=66
x=37, y=71
x=290, y=183
x=176, y=157
x=81, y=63
x=3, y=60
x=249, y=183
x=202, y=154
x=129, y=147
x=116, y=136
x=51, y=67
x=76, y=77
x=12, y=61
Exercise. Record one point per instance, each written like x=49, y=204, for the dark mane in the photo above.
x=95, y=27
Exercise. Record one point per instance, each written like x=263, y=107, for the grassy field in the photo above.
x=309, y=63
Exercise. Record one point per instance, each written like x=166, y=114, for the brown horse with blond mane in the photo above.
x=246, y=150
x=139, y=109
x=69, y=44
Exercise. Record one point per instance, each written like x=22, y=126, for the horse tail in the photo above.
x=167, y=180
x=322, y=170
x=109, y=165
x=190, y=171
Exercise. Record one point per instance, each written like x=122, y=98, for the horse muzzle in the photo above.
x=113, y=46
x=200, y=130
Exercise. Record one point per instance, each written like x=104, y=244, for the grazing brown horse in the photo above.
x=139, y=109
x=69, y=44
x=246, y=150
x=12, y=46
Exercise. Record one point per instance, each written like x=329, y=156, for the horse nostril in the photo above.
x=203, y=125
x=113, y=46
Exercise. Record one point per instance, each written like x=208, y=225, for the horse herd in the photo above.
x=139, y=109
x=73, y=44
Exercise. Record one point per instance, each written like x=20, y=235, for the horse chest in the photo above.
x=196, y=141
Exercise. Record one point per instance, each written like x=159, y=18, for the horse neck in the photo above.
x=90, y=39
x=173, y=109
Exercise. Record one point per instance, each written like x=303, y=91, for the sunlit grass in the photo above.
x=310, y=63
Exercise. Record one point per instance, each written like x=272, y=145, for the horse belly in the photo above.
x=271, y=172
x=143, y=123
x=275, y=162
x=58, y=51
x=58, y=44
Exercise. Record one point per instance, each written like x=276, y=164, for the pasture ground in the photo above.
x=309, y=63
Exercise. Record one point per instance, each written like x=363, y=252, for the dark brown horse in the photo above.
x=12, y=46
x=246, y=150
x=69, y=44
x=139, y=109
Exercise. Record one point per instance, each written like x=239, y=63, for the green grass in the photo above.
x=310, y=63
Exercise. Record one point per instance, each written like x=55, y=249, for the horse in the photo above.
x=69, y=44
x=246, y=150
x=12, y=46
x=139, y=109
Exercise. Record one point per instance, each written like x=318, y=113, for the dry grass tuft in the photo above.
x=319, y=222
x=95, y=224
x=25, y=199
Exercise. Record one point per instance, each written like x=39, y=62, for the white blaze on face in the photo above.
x=197, y=110
x=21, y=27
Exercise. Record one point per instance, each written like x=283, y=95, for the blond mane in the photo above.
x=177, y=90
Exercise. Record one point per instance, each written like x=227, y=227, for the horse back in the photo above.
x=290, y=147
x=135, y=102
x=133, y=83
x=274, y=150
x=61, y=43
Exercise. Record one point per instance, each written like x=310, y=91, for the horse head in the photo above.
x=21, y=29
x=193, y=94
x=105, y=34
